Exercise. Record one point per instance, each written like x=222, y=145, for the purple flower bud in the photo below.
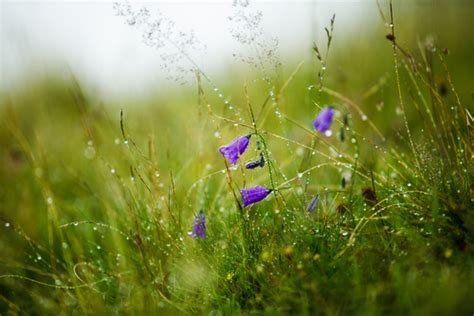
x=256, y=163
x=198, y=228
x=254, y=195
x=323, y=121
x=235, y=148
x=312, y=204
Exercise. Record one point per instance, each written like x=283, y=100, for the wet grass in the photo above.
x=97, y=202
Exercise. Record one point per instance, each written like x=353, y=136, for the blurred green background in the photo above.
x=64, y=159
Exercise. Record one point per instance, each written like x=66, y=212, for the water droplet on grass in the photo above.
x=89, y=152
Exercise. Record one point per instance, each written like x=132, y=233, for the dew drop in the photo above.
x=89, y=152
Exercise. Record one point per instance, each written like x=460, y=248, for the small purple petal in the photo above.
x=198, y=228
x=254, y=195
x=235, y=148
x=312, y=204
x=323, y=121
x=255, y=163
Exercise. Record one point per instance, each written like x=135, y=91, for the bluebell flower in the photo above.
x=254, y=195
x=198, y=228
x=235, y=148
x=260, y=162
x=312, y=204
x=323, y=121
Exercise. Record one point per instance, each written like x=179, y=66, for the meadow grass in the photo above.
x=97, y=199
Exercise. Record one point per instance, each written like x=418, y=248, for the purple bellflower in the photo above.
x=323, y=121
x=198, y=228
x=312, y=204
x=260, y=162
x=254, y=195
x=235, y=148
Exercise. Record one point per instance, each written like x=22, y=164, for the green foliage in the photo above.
x=96, y=205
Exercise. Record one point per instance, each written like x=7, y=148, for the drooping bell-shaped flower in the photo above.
x=324, y=119
x=198, y=229
x=254, y=195
x=235, y=148
x=260, y=162
x=312, y=204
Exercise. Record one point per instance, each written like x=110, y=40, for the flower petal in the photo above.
x=254, y=195
x=324, y=119
x=235, y=148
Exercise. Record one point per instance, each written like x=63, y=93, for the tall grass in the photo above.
x=97, y=202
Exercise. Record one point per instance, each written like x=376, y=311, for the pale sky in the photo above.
x=109, y=56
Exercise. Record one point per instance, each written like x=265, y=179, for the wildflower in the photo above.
x=324, y=119
x=312, y=204
x=254, y=195
x=235, y=148
x=256, y=163
x=199, y=226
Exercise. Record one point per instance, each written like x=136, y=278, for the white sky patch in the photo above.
x=87, y=39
